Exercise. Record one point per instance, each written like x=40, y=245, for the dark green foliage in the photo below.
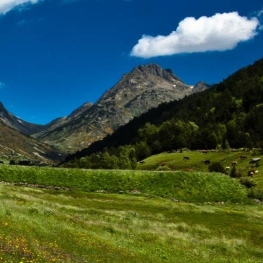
x=235, y=173
x=124, y=157
x=142, y=150
x=256, y=193
x=248, y=182
x=216, y=167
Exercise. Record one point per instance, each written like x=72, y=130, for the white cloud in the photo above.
x=8, y=5
x=216, y=33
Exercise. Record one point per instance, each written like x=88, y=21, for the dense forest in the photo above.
x=229, y=114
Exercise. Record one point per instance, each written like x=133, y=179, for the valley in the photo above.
x=143, y=191
x=131, y=131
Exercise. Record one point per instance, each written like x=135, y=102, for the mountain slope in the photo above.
x=18, y=146
x=17, y=123
x=145, y=87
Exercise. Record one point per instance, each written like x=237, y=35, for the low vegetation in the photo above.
x=191, y=187
x=79, y=215
x=40, y=225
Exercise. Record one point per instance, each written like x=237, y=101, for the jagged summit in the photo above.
x=200, y=86
x=158, y=71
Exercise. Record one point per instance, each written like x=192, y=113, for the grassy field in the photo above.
x=183, y=186
x=40, y=225
x=73, y=215
x=176, y=161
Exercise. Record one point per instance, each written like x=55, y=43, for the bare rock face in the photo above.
x=143, y=88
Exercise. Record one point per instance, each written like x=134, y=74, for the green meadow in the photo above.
x=40, y=225
x=195, y=163
x=74, y=215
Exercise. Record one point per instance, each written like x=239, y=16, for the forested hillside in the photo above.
x=229, y=114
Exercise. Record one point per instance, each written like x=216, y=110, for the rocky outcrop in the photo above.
x=200, y=86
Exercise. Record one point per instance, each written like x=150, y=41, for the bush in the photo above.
x=247, y=182
x=216, y=167
x=235, y=173
x=256, y=194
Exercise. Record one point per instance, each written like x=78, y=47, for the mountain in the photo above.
x=17, y=123
x=227, y=115
x=200, y=86
x=15, y=145
x=145, y=87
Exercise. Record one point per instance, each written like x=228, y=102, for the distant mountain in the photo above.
x=17, y=123
x=200, y=86
x=15, y=145
x=145, y=87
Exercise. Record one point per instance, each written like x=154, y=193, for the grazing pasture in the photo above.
x=41, y=225
x=198, y=161
x=74, y=215
x=183, y=186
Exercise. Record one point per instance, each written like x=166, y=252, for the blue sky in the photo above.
x=56, y=55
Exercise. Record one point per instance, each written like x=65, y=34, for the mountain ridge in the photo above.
x=12, y=121
x=145, y=87
x=17, y=146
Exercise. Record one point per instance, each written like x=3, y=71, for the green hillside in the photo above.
x=199, y=161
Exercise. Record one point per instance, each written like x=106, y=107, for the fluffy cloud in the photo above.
x=7, y=5
x=216, y=33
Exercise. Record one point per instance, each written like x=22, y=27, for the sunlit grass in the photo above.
x=55, y=226
x=183, y=186
x=175, y=161
x=140, y=216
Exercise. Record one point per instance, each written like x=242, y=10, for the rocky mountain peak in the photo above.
x=145, y=87
x=200, y=86
x=157, y=70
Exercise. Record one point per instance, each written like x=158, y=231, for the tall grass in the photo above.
x=39, y=225
x=190, y=187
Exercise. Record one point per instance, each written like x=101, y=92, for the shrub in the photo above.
x=247, y=182
x=256, y=194
x=216, y=167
